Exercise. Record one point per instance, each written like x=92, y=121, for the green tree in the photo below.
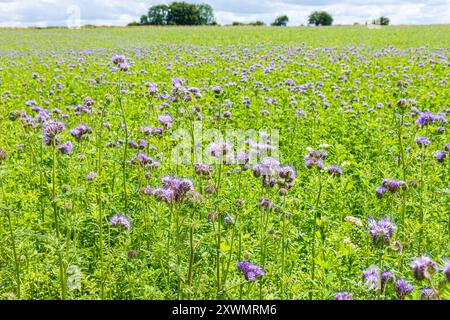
x=206, y=14
x=144, y=19
x=158, y=15
x=320, y=18
x=384, y=21
x=183, y=13
x=281, y=21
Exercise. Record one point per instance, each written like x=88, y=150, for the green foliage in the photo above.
x=181, y=13
x=320, y=18
x=281, y=21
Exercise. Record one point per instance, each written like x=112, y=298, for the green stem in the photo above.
x=55, y=214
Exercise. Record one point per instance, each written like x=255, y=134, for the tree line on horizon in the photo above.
x=188, y=14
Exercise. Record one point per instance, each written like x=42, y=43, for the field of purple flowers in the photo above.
x=259, y=170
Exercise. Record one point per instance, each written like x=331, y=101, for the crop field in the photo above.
x=225, y=163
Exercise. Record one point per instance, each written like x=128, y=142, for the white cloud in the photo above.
x=117, y=12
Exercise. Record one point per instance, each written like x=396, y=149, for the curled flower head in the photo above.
x=393, y=185
x=315, y=158
x=166, y=120
x=371, y=277
x=120, y=221
x=440, y=155
x=381, y=231
x=251, y=271
x=3, y=154
x=343, y=296
x=446, y=269
x=51, y=130
x=423, y=268
x=403, y=288
x=265, y=203
x=422, y=142
x=66, y=147
x=80, y=131
x=91, y=176
x=203, y=169
x=427, y=294
x=334, y=170
x=120, y=61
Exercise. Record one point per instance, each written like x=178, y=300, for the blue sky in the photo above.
x=20, y=13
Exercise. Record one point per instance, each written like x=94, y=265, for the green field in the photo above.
x=225, y=163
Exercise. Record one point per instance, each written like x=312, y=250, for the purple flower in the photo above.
x=174, y=189
x=440, y=155
x=381, y=231
x=265, y=203
x=447, y=147
x=251, y=271
x=423, y=268
x=217, y=89
x=422, y=141
x=66, y=147
x=120, y=61
x=427, y=117
x=80, y=131
x=51, y=130
x=343, y=296
x=393, y=185
x=334, y=170
x=203, y=169
x=380, y=191
x=166, y=120
x=427, y=294
x=315, y=158
x=152, y=87
x=371, y=277
x=120, y=221
x=145, y=160
x=403, y=288
x=91, y=176
x=446, y=269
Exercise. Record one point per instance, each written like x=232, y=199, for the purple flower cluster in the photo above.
x=403, y=288
x=120, y=61
x=51, y=131
x=66, y=147
x=315, y=158
x=427, y=294
x=423, y=268
x=446, y=269
x=381, y=231
x=80, y=131
x=391, y=185
x=428, y=117
x=203, y=169
x=173, y=190
x=422, y=142
x=145, y=160
x=343, y=296
x=372, y=277
x=440, y=155
x=223, y=151
x=251, y=271
x=151, y=131
x=166, y=120
x=334, y=170
x=120, y=221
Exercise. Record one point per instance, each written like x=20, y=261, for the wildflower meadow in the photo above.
x=225, y=163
